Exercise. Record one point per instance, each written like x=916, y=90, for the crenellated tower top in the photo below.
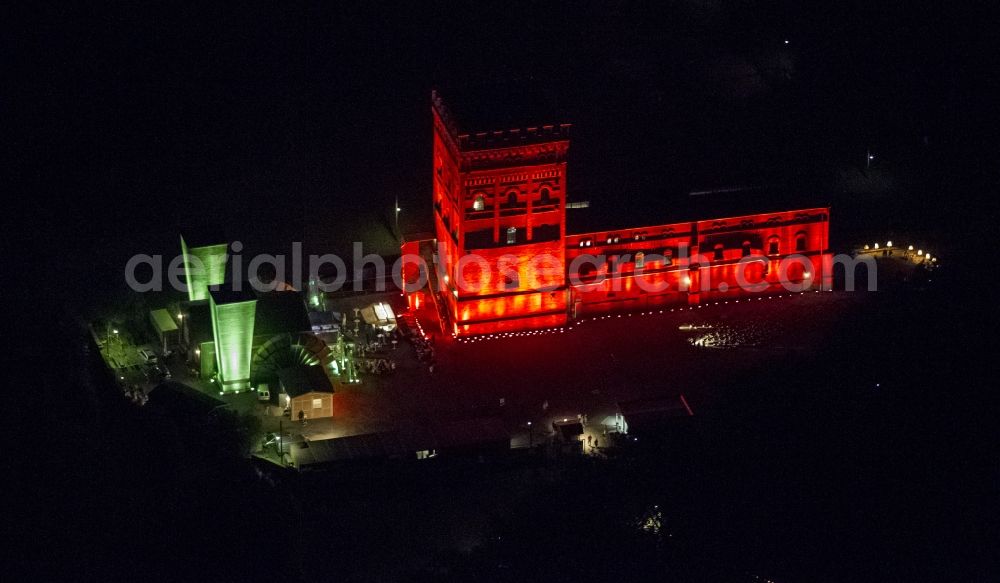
x=516, y=146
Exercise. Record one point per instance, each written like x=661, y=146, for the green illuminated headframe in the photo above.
x=233, y=315
x=203, y=267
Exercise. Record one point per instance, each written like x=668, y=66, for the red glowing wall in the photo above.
x=697, y=261
x=500, y=221
x=506, y=262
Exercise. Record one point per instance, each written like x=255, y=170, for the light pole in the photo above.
x=398, y=234
x=111, y=331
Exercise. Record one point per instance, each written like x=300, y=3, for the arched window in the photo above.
x=800, y=241
x=719, y=252
x=511, y=235
x=545, y=197
x=746, y=248
x=512, y=198
x=479, y=204
x=772, y=246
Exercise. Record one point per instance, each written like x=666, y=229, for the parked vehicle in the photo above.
x=147, y=356
x=263, y=392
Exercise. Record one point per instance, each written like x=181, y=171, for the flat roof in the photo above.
x=301, y=379
x=403, y=442
x=163, y=321
x=281, y=312
x=628, y=212
x=182, y=401
x=228, y=295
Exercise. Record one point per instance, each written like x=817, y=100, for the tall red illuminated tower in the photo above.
x=500, y=222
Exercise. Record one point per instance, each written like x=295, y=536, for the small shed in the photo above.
x=650, y=414
x=568, y=430
x=166, y=329
x=309, y=391
x=324, y=322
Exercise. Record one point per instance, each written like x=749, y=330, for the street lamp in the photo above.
x=400, y=235
x=868, y=161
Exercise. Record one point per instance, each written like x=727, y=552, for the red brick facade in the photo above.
x=507, y=263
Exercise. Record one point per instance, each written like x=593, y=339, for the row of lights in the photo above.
x=561, y=329
x=420, y=328
x=613, y=239
x=496, y=335
x=920, y=252
x=699, y=306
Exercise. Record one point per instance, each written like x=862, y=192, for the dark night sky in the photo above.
x=275, y=123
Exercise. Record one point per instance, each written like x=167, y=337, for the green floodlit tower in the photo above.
x=204, y=266
x=233, y=314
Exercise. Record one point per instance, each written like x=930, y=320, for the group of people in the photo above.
x=381, y=342
x=376, y=365
x=424, y=348
x=371, y=356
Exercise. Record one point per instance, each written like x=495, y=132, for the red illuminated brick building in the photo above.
x=500, y=201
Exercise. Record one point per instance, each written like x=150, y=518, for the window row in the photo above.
x=719, y=249
x=513, y=198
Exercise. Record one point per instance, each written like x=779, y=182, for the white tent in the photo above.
x=380, y=315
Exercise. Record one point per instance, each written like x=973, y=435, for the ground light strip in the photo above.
x=563, y=329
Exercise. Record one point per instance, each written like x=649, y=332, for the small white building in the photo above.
x=166, y=329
